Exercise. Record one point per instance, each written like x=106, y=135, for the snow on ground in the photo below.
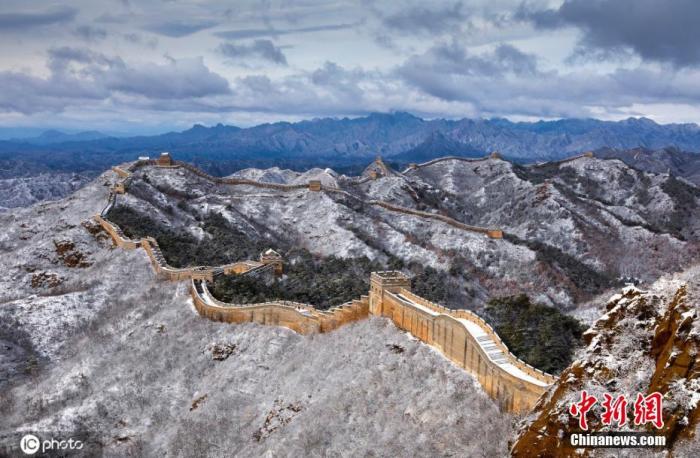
x=312, y=217
x=125, y=361
x=31, y=256
x=25, y=191
x=488, y=345
x=327, y=177
x=488, y=193
x=271, y=175
x=389, y=189
x=144, y=383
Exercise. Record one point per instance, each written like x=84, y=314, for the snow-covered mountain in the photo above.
x=400, y=137
x=665, y=160
x=647, y=341
x=23, y=191
x=94, y=346
x=572, y=230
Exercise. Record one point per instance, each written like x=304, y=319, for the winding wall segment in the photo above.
x=588, y=154
x=462, y=336
x=490, y=232
x=299, y=317
x=450, y=158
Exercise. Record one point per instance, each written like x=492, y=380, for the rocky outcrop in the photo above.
x=648, y=341
x=675, y=348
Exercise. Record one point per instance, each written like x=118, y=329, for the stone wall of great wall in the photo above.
x=313, y=185
x=164, y=270
x=414, y=166
x=462, y=336
x=493, y=155
x=588, y=154
x=302, y=318
x=491, y=233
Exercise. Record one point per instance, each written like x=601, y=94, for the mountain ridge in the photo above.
x=57, y=264
x=399, y=136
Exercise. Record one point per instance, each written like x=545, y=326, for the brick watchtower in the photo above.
x=270, y=256
x=388, y=280
x=165, y=160
x=494, y=233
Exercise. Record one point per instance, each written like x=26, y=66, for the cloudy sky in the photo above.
x=153, y=65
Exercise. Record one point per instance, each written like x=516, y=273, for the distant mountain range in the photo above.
x=54, y=136
x=398, y=137
x=664, y=160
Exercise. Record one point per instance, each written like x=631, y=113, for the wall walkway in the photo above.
x=444, y=159
x=302, y=318
x=460, y=335
x=464, y=338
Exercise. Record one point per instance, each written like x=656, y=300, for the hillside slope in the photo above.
x=26, y=191
x=572, y=230
x=101, y=349
x=666, y=160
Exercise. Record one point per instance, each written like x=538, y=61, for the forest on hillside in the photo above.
x=538, y=334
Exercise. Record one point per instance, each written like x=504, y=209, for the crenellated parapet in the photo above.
x=120, y=240
x=464, y=338
x=299, y=317
x=167, y=272
x=273, y=259
x=164, y=160
x=587, y=155
x=460, y=335
x=414, y=166
x=312, y=185
x=491, y=233
x=385, y=282
x=495, y=155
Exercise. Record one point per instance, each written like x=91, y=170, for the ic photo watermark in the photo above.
x=30, y=444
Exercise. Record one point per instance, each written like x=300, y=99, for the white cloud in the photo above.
x=312, y=58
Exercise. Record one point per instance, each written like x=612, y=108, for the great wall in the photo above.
x=460, y=335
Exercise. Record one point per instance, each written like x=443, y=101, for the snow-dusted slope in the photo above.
x=99, y=347
x=271, y=175
x=25, y=191
x=56, y=274
x=145, y=383
x=647, y=341
x=572, y=230
x=603, y=213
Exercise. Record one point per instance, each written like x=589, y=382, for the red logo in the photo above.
x=580, y=409
x=614, y=411
x=647, y=409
